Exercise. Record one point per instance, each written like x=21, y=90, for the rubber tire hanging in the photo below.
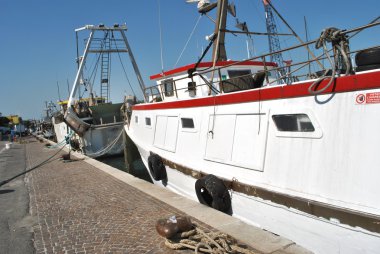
x=212, y=192
x=156, y=167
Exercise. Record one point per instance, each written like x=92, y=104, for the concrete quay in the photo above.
x=85, y=206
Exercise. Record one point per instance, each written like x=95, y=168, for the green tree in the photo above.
x=4, y=121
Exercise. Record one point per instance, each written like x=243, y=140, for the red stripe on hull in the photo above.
x=342, y=84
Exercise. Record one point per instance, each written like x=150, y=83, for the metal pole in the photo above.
x=135, y=67
x=219, y=51
x=79, y=73
x=307, y=39
x=59, y=94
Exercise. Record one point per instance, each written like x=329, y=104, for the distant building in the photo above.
x=14, y=119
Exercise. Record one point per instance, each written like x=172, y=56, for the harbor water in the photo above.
x=137, y=169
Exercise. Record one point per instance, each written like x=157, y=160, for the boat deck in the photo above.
x=85, y=206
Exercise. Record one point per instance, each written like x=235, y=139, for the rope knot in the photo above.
x=331, y=34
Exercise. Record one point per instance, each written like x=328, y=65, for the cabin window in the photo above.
x=136, y=119
x=168, y=86
x=238, y=73
x=238, y=80
x=293, y=123
x=147, y=121
x=187, y=123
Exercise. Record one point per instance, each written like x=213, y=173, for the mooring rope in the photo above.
x=107, y=148
x=202, y=242
x=63, y=142
x=32, y=168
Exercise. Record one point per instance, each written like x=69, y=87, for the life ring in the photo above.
x=212, y=192
x=368, y=57
x=156, y=167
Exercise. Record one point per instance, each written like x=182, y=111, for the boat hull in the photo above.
x=317, y=234
x=317, y=187
x=98, y=141
x=106, y=140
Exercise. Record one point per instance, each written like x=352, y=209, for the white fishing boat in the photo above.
x=97, y=123
x=297, y=158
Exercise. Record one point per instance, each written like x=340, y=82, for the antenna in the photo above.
x=307, y=39
x=159, y=24
x=59, y=94
x=68, y=87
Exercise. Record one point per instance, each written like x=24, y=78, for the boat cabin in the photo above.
x=226, y=77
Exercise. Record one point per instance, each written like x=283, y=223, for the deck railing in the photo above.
x=291, y=76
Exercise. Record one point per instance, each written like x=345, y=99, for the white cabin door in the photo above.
x=165, y=136
x=238, y=140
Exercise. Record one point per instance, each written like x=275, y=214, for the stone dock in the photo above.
x=85, y=206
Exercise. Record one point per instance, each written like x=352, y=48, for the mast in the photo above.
x=80, y=68
x=219, y=50
x=105, y=51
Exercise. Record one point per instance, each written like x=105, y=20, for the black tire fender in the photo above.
x=212, y=192
x=368, y=57
x=156, y=167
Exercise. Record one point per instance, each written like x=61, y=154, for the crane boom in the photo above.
x=273, y=39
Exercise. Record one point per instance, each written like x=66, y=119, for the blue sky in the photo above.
x=37, y=46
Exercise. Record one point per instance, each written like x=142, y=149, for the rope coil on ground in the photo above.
x=181, y=233
x=202, y=242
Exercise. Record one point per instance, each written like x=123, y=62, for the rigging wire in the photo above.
x=94, y=72
x=284, y=40
x=125, y=72
x=32, y=168
x=159, y=24
x=188, y=40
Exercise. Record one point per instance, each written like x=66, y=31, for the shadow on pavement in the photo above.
x=6, y=191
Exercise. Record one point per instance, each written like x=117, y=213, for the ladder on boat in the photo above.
x=105, y=69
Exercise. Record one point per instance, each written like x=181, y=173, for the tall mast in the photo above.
x=219, y=50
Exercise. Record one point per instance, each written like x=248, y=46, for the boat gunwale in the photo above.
x=357, y=82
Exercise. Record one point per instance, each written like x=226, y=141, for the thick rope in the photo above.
x=340, y=48
x=64, y=142
x=202, y=242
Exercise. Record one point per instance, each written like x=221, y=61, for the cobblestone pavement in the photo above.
x=81, y=209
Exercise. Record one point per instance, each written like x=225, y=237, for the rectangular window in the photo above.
x=168, y=87
x=238, y=80
x=187, y=123
x=147, y=121
x=293, y=123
